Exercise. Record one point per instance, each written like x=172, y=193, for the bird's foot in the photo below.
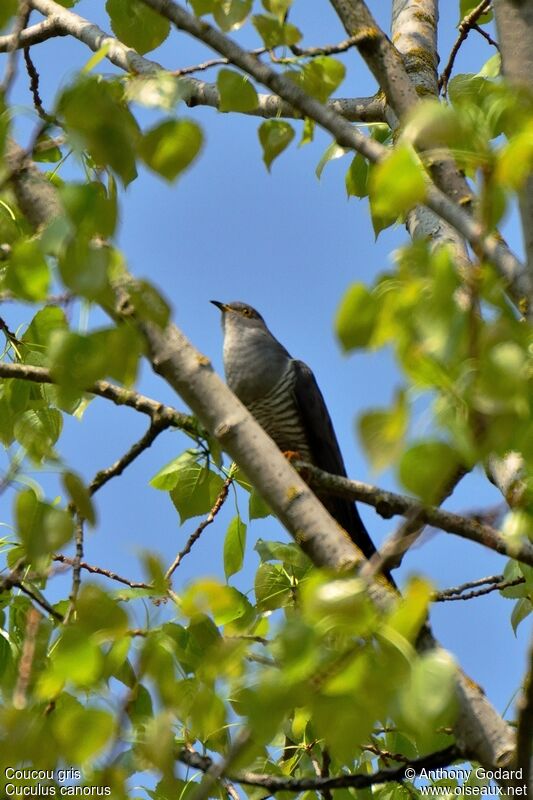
x=292, y=455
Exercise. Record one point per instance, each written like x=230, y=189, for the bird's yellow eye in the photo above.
x=246, y=312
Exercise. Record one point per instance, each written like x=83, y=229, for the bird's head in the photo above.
x=239, y=315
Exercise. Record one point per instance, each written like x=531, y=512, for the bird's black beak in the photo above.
x=222, y=306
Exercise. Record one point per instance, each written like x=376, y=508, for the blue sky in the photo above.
x=289, y=245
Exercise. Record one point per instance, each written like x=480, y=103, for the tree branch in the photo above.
x=35, y=34
x=117, y=394
x=347, y=136
x=280, y=783
x=101, y=571
x=219, y=502
x=389, y=504
x=497, y=583
x=195, y=92
x=13, y=580
x=465, y=26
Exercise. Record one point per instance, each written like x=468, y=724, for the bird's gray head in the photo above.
x=239, y=315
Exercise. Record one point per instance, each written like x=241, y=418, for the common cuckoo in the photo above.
x=283, y=396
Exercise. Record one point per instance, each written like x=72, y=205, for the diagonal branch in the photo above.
x=465, y=26
x=62, y=559
x=524, y=733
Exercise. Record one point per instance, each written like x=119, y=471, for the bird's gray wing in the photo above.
x=326, y=454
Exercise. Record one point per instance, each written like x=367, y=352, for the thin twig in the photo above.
x=465, y=26
x=76, y=567
x=101, y=571
x=157, y=425
x=486, y=36
x=217, y=770
x=33, y=75
x=219, y=502
x=496, y=583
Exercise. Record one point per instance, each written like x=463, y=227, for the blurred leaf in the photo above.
x=234, y=547
x=99, y=613
x=149, y=304
x=383, y=433
x=277, y=7
x=412, y=609
x=27, y=272
x=209, y=595
x=77, y=659
x=356, y=317
x=231, y=14
x=171, y=146
x=8, y=9
x=331, y=153
x=97, y=726
x=257, y=508
x=426, y=469
x=357, y=177
x=428, y=698
x=79, y=495
x=275, y=136
x=94, y=110
x=156, y=573
x=137, y=25
x=46, y=151
x=466, y=6
x=84, y=267
x=155, y=90
x=91, y=209
x=42, y=528
x=273, y=31
x=397, y=183
x=236, y=91
x=201, y=7
x=288, y=553
x=195, y=490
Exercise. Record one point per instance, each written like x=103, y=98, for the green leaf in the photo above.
x=521, y=610
x=39, y=332
x=79, y=495
x=397, y=183
x=137, y=25
x=168, y=476
x=77, y=658
x=201, y=7
x=331, y=153
x=42, y=528
x=46, y=151
x=273, y=31
x=28, y=275
x=195, y=490
x=277, y=7
x=95, y=112
x=149, y=304
x=428, y=698
x=357, y=177
x=289, y=554
x=257, y=508
x=234, y=547
x=356, y=317
x=273, y=587
x=236, y=91
x=382, y=433
x=231, y=14
x=97, y=726
x=209, y=595
x=426, y=469
x=99, y=613
x=90, y=208
x=84, y=267
x=38, y=430
x=319, y=77
x=171, y=147
x=466, y=6
x=155, y=90
x=275, y=135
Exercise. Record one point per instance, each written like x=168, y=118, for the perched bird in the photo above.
x=283, y=396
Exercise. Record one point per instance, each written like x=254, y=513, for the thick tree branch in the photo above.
x=348, y=136
x=388, y=504
x=280, y=783
x=35, y=34
x=195, y=92
x=514, y=23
